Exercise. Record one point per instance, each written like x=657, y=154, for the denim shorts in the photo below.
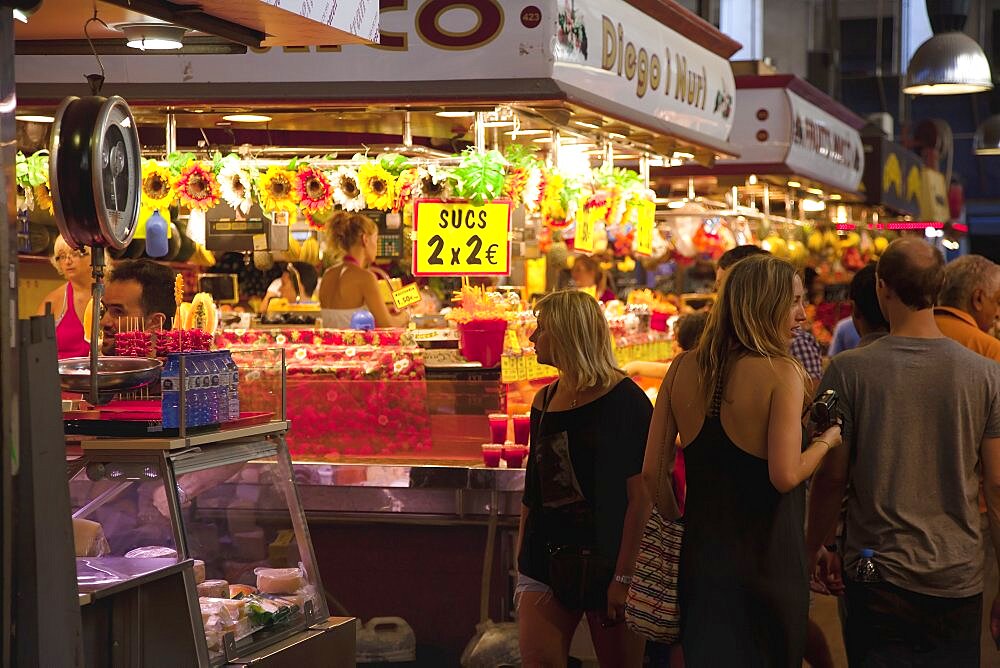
x=525, y=584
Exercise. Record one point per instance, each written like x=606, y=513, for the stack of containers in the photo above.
x=211, y=392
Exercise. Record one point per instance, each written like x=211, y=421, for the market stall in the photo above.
x=388, y=426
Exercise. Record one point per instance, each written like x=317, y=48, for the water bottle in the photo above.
x=169, y=384
x=867, y=570
x=210, y=386
x=195, y=403
x=234, y=386
x=221, y=373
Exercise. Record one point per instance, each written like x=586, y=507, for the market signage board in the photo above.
x=612, y=54
x=893, y=176
x=584, y=240
x=461, y=239
x=617, y=52
x=408, y=295
x=644, y=224
x=775, y=127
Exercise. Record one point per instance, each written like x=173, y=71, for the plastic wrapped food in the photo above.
x=214, y=589
x=213, y=614
x=235, y=608
x=89, y=540
x=241, y=589
x=279, y=580
x=152, y=552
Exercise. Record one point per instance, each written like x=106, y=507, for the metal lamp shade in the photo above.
x=951, y=63
x=987, y=139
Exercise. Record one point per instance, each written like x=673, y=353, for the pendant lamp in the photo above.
x=950, y=63
x=987, y=139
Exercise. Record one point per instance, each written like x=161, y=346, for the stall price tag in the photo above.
x=644, y=227
x=584, y=241
x=459, y=239
x=408, y=295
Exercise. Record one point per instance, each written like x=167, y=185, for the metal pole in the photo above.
x=609, y=154
x=171, y=128
x=9, y=378
x=554, y=150
x=407, y=130
x=644, y=168
x=480, y=131
x=97, y=267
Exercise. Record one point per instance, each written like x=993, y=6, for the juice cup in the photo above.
x=498, y=427
x=491, y=454
x=513, y=454
x=522, y=428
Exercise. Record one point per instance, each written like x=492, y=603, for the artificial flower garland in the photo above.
x=197, y=187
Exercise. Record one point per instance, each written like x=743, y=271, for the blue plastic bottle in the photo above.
x=170, y=387
x=156, y=235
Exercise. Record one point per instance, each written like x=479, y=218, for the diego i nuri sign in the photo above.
x=460, y=239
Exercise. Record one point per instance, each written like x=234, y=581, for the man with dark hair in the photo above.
x=866, y=315
x=804, y=347
x=921, y=420
x=140, y=290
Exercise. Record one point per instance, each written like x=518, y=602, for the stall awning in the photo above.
x=614, y=58
x=893, y=176
x=254, y=23
x=784, y=125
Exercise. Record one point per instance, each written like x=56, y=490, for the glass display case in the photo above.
x=225, y=499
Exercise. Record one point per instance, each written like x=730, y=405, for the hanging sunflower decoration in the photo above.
x=157, y=187
x=554, y=201
x=407, y=185
x=197, y=187
x=435, y=183
x=346, y=191
x=378, y=186
x=236, y=185
x=277, y=190
x=43, y=198
x=313, y=189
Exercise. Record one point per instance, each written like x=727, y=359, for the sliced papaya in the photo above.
x=88, y=319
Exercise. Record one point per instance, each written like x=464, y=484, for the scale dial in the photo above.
x=95, y=169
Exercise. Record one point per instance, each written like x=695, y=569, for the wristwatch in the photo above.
x=623, y=579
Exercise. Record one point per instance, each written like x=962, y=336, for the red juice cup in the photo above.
x=498, y=427
x=513, y=454
x=522, y=428
x=491, y=454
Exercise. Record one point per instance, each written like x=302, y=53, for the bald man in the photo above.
x=921, y=416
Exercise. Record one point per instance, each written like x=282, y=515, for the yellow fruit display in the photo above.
x=881, y=243
x=202, y=313
x=851, y=240
x=797, y=251
x=815, y=242
x=776, y=246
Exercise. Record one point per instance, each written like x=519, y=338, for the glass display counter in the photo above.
x=227, y=500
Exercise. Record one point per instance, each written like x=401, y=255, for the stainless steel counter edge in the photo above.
x=411, y=476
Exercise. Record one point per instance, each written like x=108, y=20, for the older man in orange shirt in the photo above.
x=969, y=304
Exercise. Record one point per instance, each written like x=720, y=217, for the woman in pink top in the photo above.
x=69, y=302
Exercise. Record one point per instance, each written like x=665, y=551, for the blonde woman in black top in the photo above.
x=588, y=436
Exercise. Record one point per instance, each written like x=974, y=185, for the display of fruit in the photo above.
x=776, y=246
x=880, y=243
x=88, y=319
x=797, y=252
x=202, y=314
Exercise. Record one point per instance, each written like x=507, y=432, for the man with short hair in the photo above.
x=140, y=290
x=921, y=420
x=969, y=304
x=866, y=314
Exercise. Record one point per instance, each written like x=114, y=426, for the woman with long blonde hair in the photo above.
x=580, y=523
x=349, y=287
x=736, y=403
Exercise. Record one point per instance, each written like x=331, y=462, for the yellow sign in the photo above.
x=406, y=296
x=459, y=239
x=645, y=222
x=584, y=241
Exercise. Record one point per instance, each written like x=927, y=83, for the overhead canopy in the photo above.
x=254, y=23
x=893, y=176
x=672, y=91
x=786, y=126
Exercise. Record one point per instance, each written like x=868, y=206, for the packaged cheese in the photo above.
x=214, y=589
x=214, y=614
x=279, y=580
x=237, y=589
x=88, y=539
x=152, y=552
x=199, y=571
x=236, y=609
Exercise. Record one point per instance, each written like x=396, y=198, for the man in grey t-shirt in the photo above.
x=922, y=423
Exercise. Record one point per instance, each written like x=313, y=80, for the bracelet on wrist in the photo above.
x=623, y=579
x=820, y=440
